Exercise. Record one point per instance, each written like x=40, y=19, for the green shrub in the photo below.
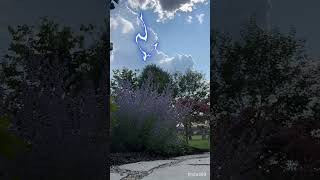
x=10, y=144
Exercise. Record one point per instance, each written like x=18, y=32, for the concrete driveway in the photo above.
x=179, y=168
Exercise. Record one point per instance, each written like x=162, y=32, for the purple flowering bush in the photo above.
x=146, y=120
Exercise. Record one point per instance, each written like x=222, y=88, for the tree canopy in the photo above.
x=80, y=52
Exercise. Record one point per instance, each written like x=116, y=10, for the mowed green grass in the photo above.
x=197, y=142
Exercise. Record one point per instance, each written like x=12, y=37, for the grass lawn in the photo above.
x=197, y=142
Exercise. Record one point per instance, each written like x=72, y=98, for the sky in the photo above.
x=175, y=34
x=228, y=15
x=70, y=12
x=181, y=28
x=303, y=15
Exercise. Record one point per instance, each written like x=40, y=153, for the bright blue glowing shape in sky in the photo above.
x=145, y=37
x=145, y=54
x=155, y=46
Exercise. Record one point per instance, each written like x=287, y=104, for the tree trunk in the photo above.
x=190, y=131
x=186, y=130
x=203, y=133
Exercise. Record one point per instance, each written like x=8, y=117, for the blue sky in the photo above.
x=180, y=27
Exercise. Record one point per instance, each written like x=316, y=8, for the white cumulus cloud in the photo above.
x=180, y=62
x=189, y=19
x=166, y=9
x=118, y=21
x=124, y=26
x=200, y=18
x=113, y=24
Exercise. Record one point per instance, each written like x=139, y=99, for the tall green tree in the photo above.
x=125, y=74
x=191, y=88
x=157, y=76
x=191, y=84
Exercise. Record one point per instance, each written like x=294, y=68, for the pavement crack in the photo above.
x=138, y=175
x=199, y=164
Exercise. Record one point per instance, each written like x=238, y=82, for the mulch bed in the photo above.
x=133, y=157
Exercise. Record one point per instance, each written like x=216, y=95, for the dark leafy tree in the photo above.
x=264, y=107
x=56, y=93
x=50, y=39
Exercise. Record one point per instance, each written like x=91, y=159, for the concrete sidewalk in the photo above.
x=179, y=168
